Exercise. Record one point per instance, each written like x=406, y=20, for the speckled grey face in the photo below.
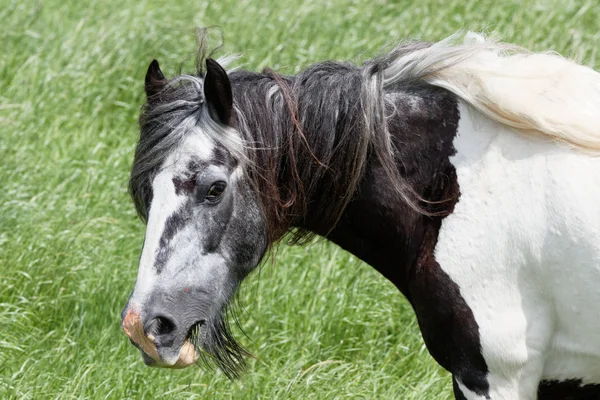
x=205, y=233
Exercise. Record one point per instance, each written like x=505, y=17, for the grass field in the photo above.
x=322, y=324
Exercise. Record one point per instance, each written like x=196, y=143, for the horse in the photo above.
x=465, y=171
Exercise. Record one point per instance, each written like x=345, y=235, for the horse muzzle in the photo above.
x=157, y=339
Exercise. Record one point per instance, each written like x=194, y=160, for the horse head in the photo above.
x=204, y=228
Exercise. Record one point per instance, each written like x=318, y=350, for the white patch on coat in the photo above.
x=165, y=202
x=523, y=245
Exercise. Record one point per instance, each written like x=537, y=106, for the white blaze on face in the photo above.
x=165, y=202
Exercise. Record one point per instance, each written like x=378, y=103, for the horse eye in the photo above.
x=216, y=190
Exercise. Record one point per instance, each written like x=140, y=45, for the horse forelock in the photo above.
x=165, y=121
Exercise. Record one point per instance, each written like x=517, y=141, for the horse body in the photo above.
x=523, y=245
x=505, y=295
x=491, y=233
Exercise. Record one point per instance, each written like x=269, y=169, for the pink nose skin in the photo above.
x=133, y=327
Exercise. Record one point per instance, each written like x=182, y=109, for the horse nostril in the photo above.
x=160, y=326
x=165, y=326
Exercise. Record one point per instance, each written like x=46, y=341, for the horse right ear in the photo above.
x=155, y=80
x=217, y=92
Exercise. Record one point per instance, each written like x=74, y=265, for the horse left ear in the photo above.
x=217, y=91
x=155, y=80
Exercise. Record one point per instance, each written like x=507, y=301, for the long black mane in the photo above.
x=308, y=143
x=305, y=138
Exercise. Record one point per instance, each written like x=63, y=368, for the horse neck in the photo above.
x=378, y=226
x=304, y=179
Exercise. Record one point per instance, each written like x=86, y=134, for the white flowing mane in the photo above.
x=532, y=92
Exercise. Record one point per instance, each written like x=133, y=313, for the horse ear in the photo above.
x=155, y=80
x=217, y=91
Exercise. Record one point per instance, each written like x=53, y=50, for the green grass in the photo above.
x=323, y=325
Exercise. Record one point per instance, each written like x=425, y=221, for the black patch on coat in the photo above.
x=399, y=242
x=188, y=183
x=571, y=389
x=184, y=185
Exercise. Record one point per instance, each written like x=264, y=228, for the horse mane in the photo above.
x=305, y=139
x=309, y=137
x=532, y=92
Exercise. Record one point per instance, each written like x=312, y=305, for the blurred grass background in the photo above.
x=323, y=324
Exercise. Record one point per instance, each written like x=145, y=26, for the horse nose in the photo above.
x=154, y=330
x=161, y=327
